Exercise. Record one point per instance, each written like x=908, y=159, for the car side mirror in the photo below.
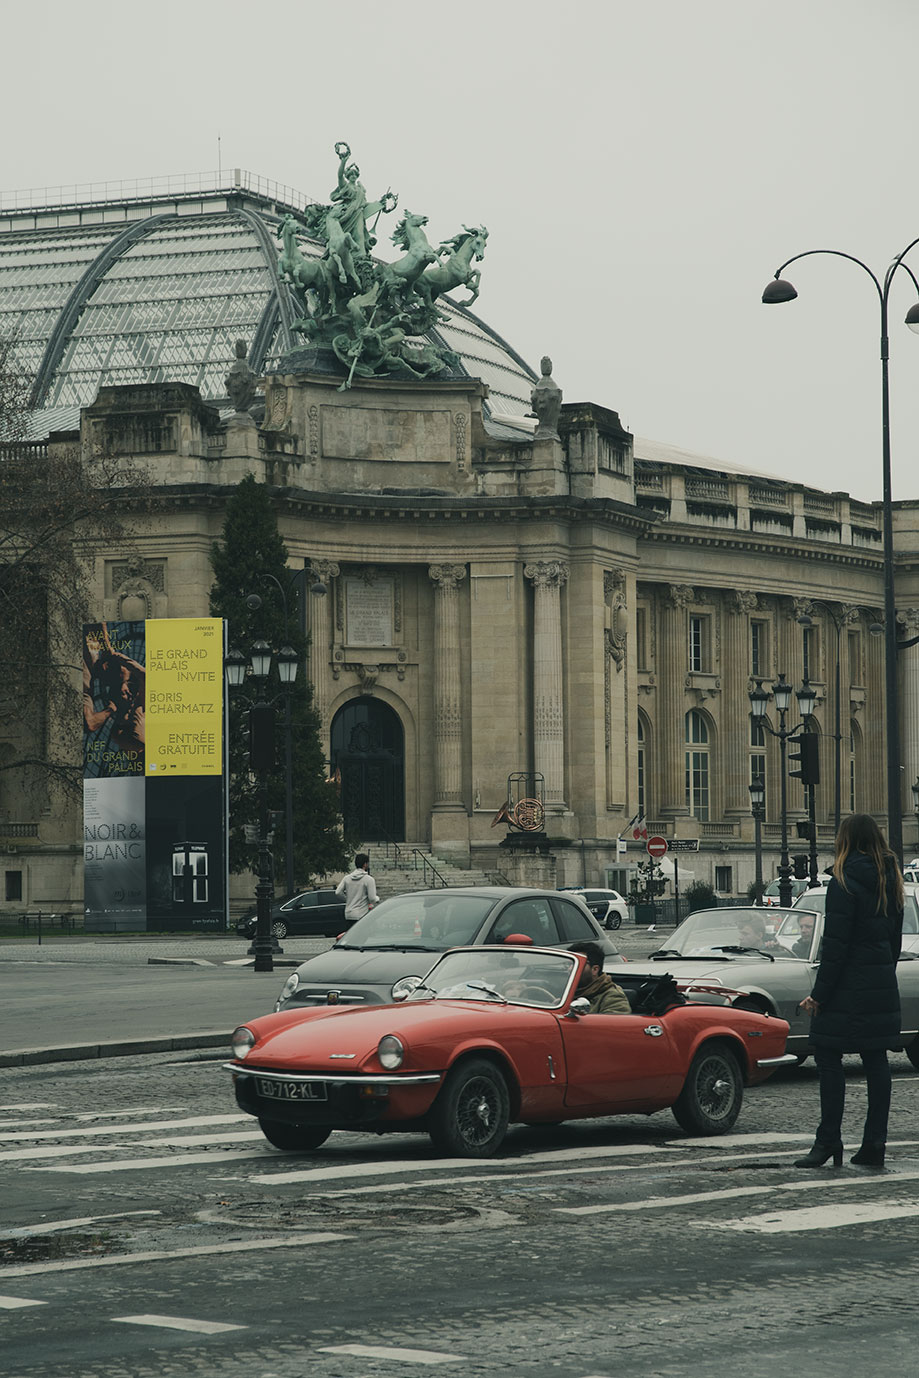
x=579, y=1006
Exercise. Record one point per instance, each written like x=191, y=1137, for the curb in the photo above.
x=83, y=1052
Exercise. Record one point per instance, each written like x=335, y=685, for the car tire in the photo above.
x=470, y=1116
x=712, y=1093
x=912, y=1052
x=294, y=1138
x=279, y=928
x=614, y=920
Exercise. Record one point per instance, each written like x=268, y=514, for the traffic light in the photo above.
x=261, y=737
x=800, y=865
x=808, y=754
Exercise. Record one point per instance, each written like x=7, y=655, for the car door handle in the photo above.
x=653, y=1030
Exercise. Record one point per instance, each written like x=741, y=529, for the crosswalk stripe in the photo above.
x=236, y=1246
x=809, y=1218
x=179, y=1323
x=139, y=1128
x=216, y=1159
x=14, y=1303
x=53, y=1226
x=407, y=1356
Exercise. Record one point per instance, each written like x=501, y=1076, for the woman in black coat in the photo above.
x=855, y=1002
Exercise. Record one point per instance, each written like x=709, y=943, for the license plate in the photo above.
x=293, y=1090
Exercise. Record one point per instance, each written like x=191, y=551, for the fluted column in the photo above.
x=548, y=578
x=320, y=610
x=735, y=668
x=448, y=741
x=909, y=714
x=670, y=749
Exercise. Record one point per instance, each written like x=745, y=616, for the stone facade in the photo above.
x=500, y=604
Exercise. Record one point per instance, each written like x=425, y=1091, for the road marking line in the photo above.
x=817, y=1218
x=140, y=1128
x=31, y=1105
x=59, y=1151
x=135, y=1110
x=52, y=1226
x=408, y=1356
x=140, y=1164
x=809, y=1183
x=14, y=1303
x=239, y=1246
x=179, y=1323
x=243, y=1136
x=510, y=1165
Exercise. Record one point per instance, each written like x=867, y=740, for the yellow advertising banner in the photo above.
x=184, y=730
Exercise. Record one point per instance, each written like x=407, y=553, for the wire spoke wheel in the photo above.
x=470, y=1116
x=712, y=1095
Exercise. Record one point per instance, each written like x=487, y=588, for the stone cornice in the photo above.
x=749, y=542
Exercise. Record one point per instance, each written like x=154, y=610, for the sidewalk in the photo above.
x=105, y=995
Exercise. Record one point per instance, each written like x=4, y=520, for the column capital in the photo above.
x=680, y=595
x=326, y=569
x=446, y=576
x=742, y=601
x=547, y=573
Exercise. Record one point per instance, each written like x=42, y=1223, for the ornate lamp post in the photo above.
x=780, y=290
x=759, y=700
x=915, y=790
x=262, y=762
x=758, y=809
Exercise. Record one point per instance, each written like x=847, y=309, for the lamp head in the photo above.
x=759, y=698
x=288, y=664
x=912, y=317
x=780, y=289
x=757, y=795
x=260, y=658
x=235, y=669
x=782, y=691
x=807, y=699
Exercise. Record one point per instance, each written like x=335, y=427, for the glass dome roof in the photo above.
x=156, y=284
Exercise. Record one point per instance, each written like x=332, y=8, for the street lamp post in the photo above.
x=262, y=762
x=915, y=790
x=780, y=290
x=758, y=809
x=759, y=699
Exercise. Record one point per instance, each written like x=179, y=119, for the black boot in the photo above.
x=869, y=1155
x=820, y=1154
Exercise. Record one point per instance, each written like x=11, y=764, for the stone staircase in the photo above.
x=415, y=867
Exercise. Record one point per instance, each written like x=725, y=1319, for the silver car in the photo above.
x=816, y=900
x=713, y=950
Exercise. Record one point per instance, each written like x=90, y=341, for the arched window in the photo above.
x=697, y=764
x=642, y=769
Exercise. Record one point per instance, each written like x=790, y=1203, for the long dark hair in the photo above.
x=860, y=833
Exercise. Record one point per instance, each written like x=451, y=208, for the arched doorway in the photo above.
x=368, y=748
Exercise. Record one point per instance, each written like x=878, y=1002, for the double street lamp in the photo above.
x=759, y=701
x=781, y=290
x=262, y=761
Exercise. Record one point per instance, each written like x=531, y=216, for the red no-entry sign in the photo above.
x=657, y=846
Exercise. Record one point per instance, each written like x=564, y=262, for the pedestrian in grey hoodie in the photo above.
x=358, y=888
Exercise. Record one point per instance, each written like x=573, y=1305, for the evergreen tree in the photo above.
x=251, y=549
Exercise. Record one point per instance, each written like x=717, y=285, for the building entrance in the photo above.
x=368, y=749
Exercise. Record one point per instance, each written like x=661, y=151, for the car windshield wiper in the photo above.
x=398, y=947
x=489, y=990
x=664, y=952
x=739, y=947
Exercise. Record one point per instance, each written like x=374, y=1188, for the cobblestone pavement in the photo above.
x=618, y=1247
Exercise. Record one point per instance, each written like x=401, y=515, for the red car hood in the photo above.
x=313, y=1038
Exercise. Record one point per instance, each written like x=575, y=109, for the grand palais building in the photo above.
x=567, y=606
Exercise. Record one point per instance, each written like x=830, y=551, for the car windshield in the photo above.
x=501, y=977
x=742, y=928
x=428, y=920
x=816, y=900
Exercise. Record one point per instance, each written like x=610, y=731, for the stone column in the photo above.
x=320, y=622
x=735, y=670
x=448, y=741
x=670, y=743
x=909, y=715
x=548, y=578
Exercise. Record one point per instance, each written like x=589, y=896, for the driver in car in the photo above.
x=596, y=985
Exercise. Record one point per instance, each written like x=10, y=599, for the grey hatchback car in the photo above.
x=402, y=937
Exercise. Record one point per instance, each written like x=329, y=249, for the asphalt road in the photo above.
x=147, y=1228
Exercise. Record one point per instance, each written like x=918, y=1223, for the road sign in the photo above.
x=683, y=844
x=657, y=846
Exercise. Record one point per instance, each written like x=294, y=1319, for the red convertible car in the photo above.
x=495, y=1035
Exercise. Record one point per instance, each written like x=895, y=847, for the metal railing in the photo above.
x=226, y=180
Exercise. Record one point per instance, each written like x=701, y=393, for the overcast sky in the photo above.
x=642, y=168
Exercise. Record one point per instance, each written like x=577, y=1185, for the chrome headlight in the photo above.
x=290, y=985
x=242, y=1042
x=390, y=1052
x=404, y=987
